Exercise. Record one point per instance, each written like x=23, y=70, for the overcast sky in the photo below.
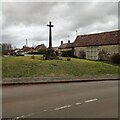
x=28, y=20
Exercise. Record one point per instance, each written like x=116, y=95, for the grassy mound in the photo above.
x=25, y=66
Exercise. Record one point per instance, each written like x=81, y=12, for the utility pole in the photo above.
x=26, y=42
x=76, y=33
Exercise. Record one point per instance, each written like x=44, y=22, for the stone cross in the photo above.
x=50, y=34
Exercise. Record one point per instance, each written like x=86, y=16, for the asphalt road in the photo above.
x=66, y=100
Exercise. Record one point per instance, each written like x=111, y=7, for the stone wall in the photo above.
x=78, y=49
x=110, y=49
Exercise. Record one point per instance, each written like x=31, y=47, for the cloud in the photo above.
x=29, y=20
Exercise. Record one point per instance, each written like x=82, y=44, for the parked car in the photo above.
x=19, y=53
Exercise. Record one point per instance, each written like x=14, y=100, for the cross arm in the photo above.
x=50, y=25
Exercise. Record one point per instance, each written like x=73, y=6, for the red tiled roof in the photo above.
x=42, y=46
x=105, y=38
x=66, y=45
x=25, y=48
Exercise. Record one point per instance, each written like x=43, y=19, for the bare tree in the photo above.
x=6, y=48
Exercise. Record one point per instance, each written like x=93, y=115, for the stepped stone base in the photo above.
x=50, y=54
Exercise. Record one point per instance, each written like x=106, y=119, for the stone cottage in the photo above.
x=40, y=47
x=65, y=47
x=27, y=49
x=94, y=44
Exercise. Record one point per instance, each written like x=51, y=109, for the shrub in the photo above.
x=68, y=53
x=31, y=53
x=42, y=51
x=103, y=55
x=115, y=58
x=82, y=54
x=68, y=59
x=33, y=57
x=56, y=52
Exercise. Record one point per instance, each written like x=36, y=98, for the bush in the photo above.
x=115, y=58
x=82, y=54
x=56, y=52
x=103, y=55
x=68, y=59
x=42, y=51
x=32, y=53
x=33, y=57
x=68, y=53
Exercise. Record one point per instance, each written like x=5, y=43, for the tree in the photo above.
x=6, y=48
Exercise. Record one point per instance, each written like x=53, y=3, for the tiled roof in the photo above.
x=26, y=48
x=42, y=46
x=66, y=45
x=105, y=38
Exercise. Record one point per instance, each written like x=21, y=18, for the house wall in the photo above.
x=78, y=49
x=60, y=50
x=111, y=49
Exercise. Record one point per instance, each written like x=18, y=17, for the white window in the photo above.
x=92, y=52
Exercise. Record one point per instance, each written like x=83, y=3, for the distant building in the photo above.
x=94, y=44
x=65, y=47
x=55, y=48
x=27, y=49
x=40, y=47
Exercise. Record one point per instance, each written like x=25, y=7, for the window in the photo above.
x=92, y=52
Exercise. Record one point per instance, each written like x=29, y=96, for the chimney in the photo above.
x=61, y=42
x=68, y=41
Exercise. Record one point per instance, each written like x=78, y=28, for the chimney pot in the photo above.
x=61, y=42
x=68, y=41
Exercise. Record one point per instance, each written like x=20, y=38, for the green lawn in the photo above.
x=25, y=66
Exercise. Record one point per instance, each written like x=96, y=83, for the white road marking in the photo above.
x=62, y=107
x=29, y=114
x=78, y=103
x=17, y=117
x=87, y=101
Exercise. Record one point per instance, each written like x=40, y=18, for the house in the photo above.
x=55, y=48
x=40, y=47
x=94, y=44
x=65, y=47
x=27, y=49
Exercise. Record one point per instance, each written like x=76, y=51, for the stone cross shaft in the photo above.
x=50, y=34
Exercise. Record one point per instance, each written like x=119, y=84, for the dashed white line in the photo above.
x=28, y=115
x=67, y=106
x=87, y=101
x=44, y=110
x=17, y=117
x=63, y=107
x=78, y=103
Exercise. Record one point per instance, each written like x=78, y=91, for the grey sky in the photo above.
x=29, y=20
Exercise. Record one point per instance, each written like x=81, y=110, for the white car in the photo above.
x=19, y=53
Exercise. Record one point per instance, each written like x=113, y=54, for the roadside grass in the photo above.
x=25, y=66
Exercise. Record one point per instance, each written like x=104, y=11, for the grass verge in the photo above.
x=25, y=66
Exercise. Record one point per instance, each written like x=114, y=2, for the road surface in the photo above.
x=65, y=100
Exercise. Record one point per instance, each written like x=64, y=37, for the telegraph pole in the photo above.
x=26, y=42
